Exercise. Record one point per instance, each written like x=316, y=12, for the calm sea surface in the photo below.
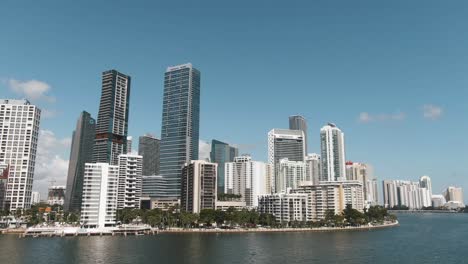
x=428, y=238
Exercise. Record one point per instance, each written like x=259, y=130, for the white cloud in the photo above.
x=432, y=112
x=365, y=117
x=204, y=149
x=50, y=164
x=32, y=89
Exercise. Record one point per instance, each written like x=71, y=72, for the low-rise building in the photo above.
x=225, y=205
x=198, y=186
x=56, y=195
x=286, y=207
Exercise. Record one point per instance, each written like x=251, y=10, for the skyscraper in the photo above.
x=148, y=147
x=313, y=168
x=333, y=153
x=221, y=153
x=284, y=143
x=289, y=174
x=81, y=152
x=425, y=182
x=298, y=122
x=198, y=186
x=180, y=122
x=112, y=121
x=19, y=132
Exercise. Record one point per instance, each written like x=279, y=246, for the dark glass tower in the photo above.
x=298, y=122
x=148, y=147
x=80, y=153
x=112, y=121
x=221, y=153
x=180, y=122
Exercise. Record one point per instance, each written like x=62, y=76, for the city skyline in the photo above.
x=411, y=128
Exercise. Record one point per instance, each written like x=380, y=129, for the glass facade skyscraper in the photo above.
x=221, y=153
x=81, y=152
x=298, y=122
x=112, y=121
x=180, y=123
x=148, y=147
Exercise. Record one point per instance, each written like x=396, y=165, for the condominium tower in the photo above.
x=221, y=153
x=130, y=181
x=198, y=187
x=148, y=147
x=19, y=132
x=332, y=153
x=81, y=152
x=180, y=122
x=285, y=143
x=112, y=120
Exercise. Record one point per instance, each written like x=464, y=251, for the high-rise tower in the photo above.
x=180, y=122
x=81, y=152
x=221, y=153
x=148, y=147
x=333, y=153
x=298, y=122
x=112, y=121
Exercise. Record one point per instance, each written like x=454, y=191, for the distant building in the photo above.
x=161, y=203
x=198, y=189
x=334, y=195
x=454, y=197
x=313, y=167
x=356, y=171
x=290, y=174
x=130, y=181
x=286, y=207
x=332, y=153
x=398, y=193
x=225, y=205
x=19, y=133
x=112, y=120
x=221, y=153
x=180, y=122
x=298, y=122
x=247, y=178
x=438, y=201
x=81, y=152
x=148, y=147
x=284, y=143
x=129, y=145
x=56, y=195
x=425, y=182
x=99, y=206
x=35, y=198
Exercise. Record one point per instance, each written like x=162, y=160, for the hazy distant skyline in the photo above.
x=391, y=75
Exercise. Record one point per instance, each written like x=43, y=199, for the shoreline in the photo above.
x=276, y=230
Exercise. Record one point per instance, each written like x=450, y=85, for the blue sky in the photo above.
x=390, y=74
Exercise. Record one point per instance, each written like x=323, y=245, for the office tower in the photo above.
x=425, y=182
x=198, y=188
x=290, y=174
x=247, y=178
x=333, y=196
x=19, y=131
x=56, y=195
x=130, y=181
x=81, y=152
x=99, y=205
x=112, y=121
x=221, y=153
x=298, y=122
x=35, y=198
x=129, y=145
x=180, y=122
x=454, y=197
x=405, y=194
x=333, y=153
x=148, y=148
x=286, y=207
x=284, y=143
x=155, y=186
x=313, y=168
